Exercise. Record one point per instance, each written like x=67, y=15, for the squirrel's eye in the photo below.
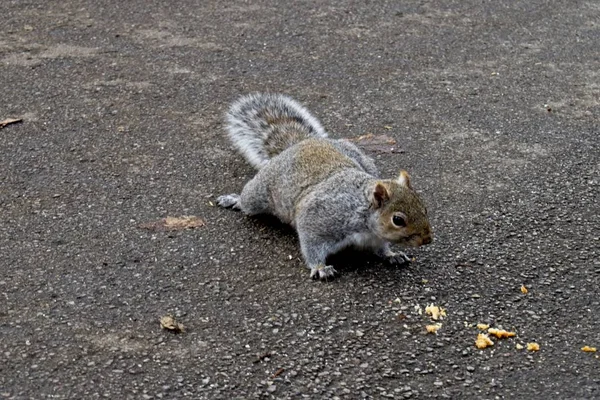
x=399, y=221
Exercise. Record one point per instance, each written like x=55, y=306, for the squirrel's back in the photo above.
x=261, y=126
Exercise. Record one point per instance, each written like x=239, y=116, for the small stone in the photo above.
x=272, y=388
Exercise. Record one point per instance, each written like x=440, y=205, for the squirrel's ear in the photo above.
x=380, y=195
x=404, y=179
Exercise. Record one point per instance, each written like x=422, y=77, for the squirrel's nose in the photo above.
x=427, y=239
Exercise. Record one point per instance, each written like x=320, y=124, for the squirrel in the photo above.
x=327, y=189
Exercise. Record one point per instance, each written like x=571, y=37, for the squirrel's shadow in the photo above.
x=270, y=222
x=347, y=260
x=353, y=260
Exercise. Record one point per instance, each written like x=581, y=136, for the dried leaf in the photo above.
x=277, y=373
x=377, y=143
x=174, y=224
x=168, y=322
x=9, y=121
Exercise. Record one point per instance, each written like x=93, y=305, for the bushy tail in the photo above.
x=261, y=126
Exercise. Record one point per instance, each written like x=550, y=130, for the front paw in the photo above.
x=399, y=258
x=229, y=201
x=322, y=272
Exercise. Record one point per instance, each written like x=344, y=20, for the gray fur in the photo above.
x=323, y=187
x=250, y=131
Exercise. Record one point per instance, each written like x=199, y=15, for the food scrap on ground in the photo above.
x=433, y=328
x=483, y=341
x=483, y=327
x=500, y=333
x=524, y=289
x=169, y=323
x=174, y=223
x=533, y=347
x=435, y=312
x=588, y=349
x=519, y=346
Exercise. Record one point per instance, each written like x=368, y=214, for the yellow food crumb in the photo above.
x=499, y=333
x=533, y=346
x=519, y=346
x=435, y=312
x=524, y=289
x=433, y=328
x=588, y=349
x=482, y=327
x=483, y=341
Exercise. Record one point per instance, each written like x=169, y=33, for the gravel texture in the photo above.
x=495, y=105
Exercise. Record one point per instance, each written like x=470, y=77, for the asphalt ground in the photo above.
x=495, y=105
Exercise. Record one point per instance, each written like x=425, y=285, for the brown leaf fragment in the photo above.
x=174, y=224
x=169, y=323
x=377, y=143
x=277, y=373
x=9, y=121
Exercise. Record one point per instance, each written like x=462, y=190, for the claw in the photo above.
x=399, y=258
x=322, y=272
x=229, y=201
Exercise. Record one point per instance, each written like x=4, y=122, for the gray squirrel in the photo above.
x=327, y=189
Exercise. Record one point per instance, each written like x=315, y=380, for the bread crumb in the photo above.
x=524, y=289
x=588, y=349
x=435, y=312
x=433, y=328
x=500, y=333
x=483, y=327
x=533, y=346
x=519, y=346
x=483, y=341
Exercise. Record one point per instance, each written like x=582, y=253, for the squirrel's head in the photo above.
x=400, y=215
